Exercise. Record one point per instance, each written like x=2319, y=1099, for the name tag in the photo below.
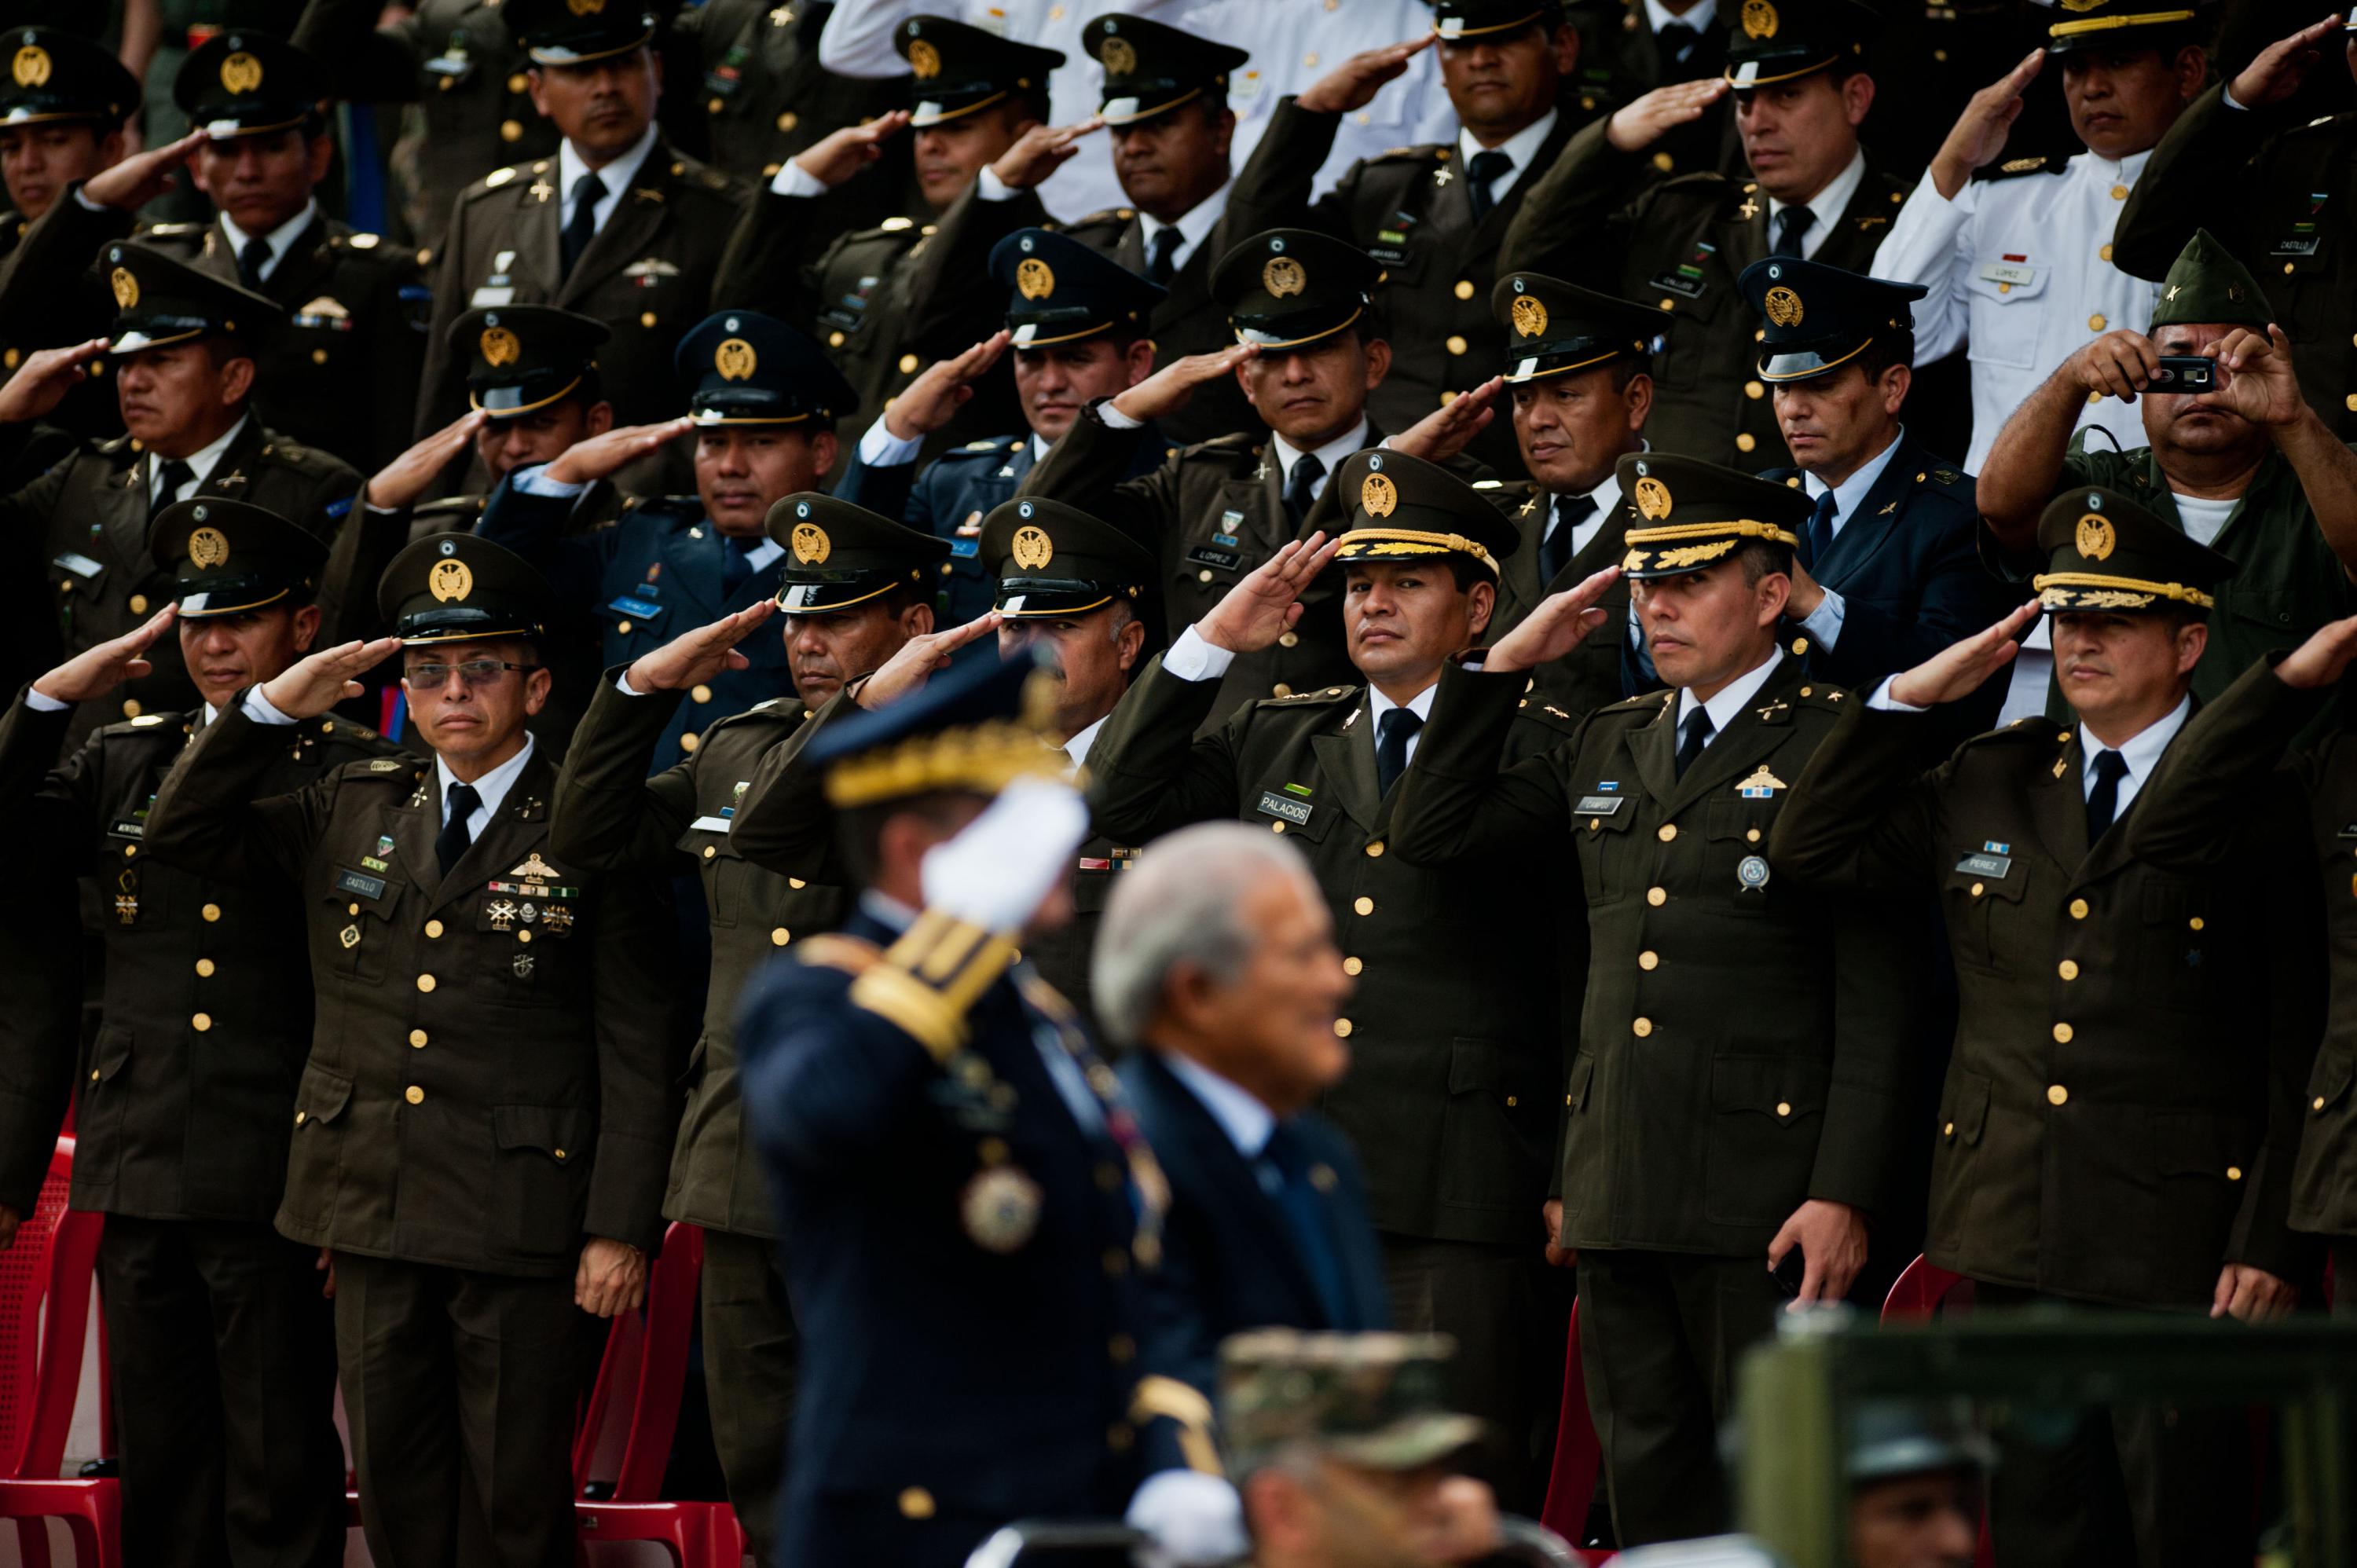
x=129, y=828
x=1599, y=805
x=364, y=886
x=81, y=566
x=2297, y=246
x=1227, y=560
x=709, y=825
x=630, y=606
x=1997, y=867
x=488, y=295
x=1272, y=804
x=965, y=549
x=2008, y=272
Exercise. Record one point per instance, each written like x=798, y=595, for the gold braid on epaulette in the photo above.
x=1167, y=1397
x=927, y=981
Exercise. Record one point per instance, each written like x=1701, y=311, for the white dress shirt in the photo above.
x=2021, y=273
x=1699, y=17
x=492, y=787
x=2140, y=751
x=201, y=464
x=1331, y=454
x=1247, y=1122
x=280, y=239
x=1825, y=208
x=1194, y=226
x=1732, y=698
x=1523, y=147
x=1824, y=623
x=614, y=176
x=1606, y=496
x=1420, y=705
x=1077, y=748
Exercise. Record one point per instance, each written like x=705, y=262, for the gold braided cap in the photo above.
x=2106, y=24
x=1382, y=543
x=1741, y=527
x=2111, y=593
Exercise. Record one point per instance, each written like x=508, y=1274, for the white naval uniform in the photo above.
x=2020, y=272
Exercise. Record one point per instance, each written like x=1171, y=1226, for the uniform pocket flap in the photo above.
x=554, y=1130
x=110, y=1052
x=2194, y=1143
x=1583, y=1077
x=2006, y=283
x=2279, y=609
x=1968, y=1110
x=1787, y=1088
x=1476, y=1066
x=1602, y=811
x=2329, y=1084
x=322, y=1096
x=1975, y=878
x=1293, y=813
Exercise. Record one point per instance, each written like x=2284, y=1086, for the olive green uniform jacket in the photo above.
x=761, y=92
x=609, y=816
x=2119, y=1115
x=1742, y=1049
x=1187, y=321
x=1456, y=1045
x=484, y=1091
x=1556, y=696
x=1681, y=244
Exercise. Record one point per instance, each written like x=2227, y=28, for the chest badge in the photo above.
x=1752, y=873
x=1000, y=1208
x=1761, y=785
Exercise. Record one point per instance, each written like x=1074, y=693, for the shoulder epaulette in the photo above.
x=992, y=447
x=1649, y=703
x=1437, y=152
x=172, y=230
x=1823, y=694
x=2013, y=168
x=499, y=176
x=1240, y=445
x=402, y=769
x=1301, y=699
x=852, y=955
x=449, y=505
x=1105, y=215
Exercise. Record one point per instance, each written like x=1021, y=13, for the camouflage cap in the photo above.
x=1378, y=1401
x=2206, y=285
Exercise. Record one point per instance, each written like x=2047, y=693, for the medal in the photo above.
x=1000, y=1208
x=1752, y=873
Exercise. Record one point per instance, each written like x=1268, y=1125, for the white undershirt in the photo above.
x=2204, y=519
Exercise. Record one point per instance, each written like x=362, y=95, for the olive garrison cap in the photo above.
x=2206, y=285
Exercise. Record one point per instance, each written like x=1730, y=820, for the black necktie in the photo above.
x=1300, y=486
x=175, y=474
x=252, y=257
x=452, y=841
x=1693, y=735
x=1162, y=263
x=582, y=226
x=1790, y=224
x=1284, y=1175
x=1556, y=549
x=2104, y=799
x=736, y=563
x=1481, y=175
x=1677, y=40
x=1399, y=726
x=1818, y=534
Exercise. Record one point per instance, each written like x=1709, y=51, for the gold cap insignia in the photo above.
x=207, y=547
x=241, y=72
x=1653, y=499
x=450, y=580
x=1378, y=496
x=1031, y=548
x=924, y=60
x=1530, y=315
x=2096, y=537
x=1034, y=278
x=1783, y=306
x=811, y=543
x=1760, y=19
x=585, y=7
x=31, y=66
x=1283, y=275
x=125, y=286
x=1119, y=58
x=734, y=359
x=499, y=345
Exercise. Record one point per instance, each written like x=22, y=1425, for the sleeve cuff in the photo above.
x=880, y=448
x=41, y=703
x=1882, y=702
x=1112, y=418
x=622, y=684
x=990, y=187
x=260, y=710
x=1824, y=624
x=792, y=180
x=534, y=482
x=1192, y=658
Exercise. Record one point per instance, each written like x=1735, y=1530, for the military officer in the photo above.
x=1800, y=89
x=610, y=816
x=1079, y=325
x=2278, y=195
x=762, y=402
x=909, y=1079
x=1308, y=349
x=2019, y=265
x=1730, y=1104
x=221, y=1344
x=1630, y=50
x=2095, y=1146
x=62, y=108
x=889, y=300
x=184, y=368
x=616, y=227
x=1432, y=217
x=764, y=94
x=1457, y=1195
x=474, y=1199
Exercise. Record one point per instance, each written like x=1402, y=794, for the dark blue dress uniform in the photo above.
x=663, y=568
x=966, y=1203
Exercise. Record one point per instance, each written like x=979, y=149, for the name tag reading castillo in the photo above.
x=1272, y=804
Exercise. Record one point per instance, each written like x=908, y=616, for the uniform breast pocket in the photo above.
x=1288, y=812
x=1097, y=874
x=1608, y=855
x=1974, y=901
x=2173, y=965
x=2007, y=311
x=637, y=623
x=1737, y=863
x=360, y=906
x=544, y=960
x=1695, y=312
x=724, y=872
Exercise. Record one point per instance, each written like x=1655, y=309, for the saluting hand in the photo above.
x=1262, y=607
x=400, y=482
x=1980, y=131
x=1450, y=428
x=2282, y=66
x=1638, y=125
x=603, y=456
x=612, y=1278
x=314, y=684
x=1352, y=85
x=1170, y=387
x=1558, y=625
x=1960, y=669
x=933, y=399
x=94, y=672
x=2319, y=661
x=42, y=381
x=2255, y=378
x=697, y=655
x=919, y=659
x=1041, y=152
x=837, y=157
x=143, y=176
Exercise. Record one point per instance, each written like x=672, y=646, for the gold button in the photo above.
x=1641, y=1028
x=130, y=709
x=1204, y=576
x=835, y=339
x=780, y=936
x=1783, y=1108
x=2095, y=322
x=1808, y=690
x=130, y=849
x=2062, y=1034
x=524, y=936
x=789, y=119
x=1464, y=288
x=645, y=318
x=2095, y=397
x=1288, y=640
x=417, y=1038
x=1447, y=398
x=2287, y=269
x=211, y=912
x=1751, y=835
x=1941, y=56
x=796, y=882
x=351, y=908
x=1511, y=1102
x=1354, y=965
x=1663, y=162
x=1978, y=890
x=414, y=1095
x=1668, y=304
x=701, y=693
x=1280, y=690
x=710, y=850
x=139, y=603
x=2056, y=1094
x=2119, y=193
x=424, y=982
x=298, y=1118
x=1949, y=1131
x=1276, y=827
x=1375, y=850
x=511, y=130
x=1744, y=441
x=623, y=627
x=318, y=356
x=1456, y=344
x=690, y=742
x=519, y=82
x=201, y=1022
x=557, y=1152
x=1364, y=906
x=93, y=1078
x=433, y=928
x=2233, y=1172
x=1754, y=389
x=909, y=364
x=2317, y=1105
x=2104, y=252
x=1648, y=960
x=2068, y=969
x=2078, y=909
x=1667, y=831
x=2195, y=923
x=205, y=967
x=1657, y=896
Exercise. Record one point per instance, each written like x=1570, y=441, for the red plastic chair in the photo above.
x=1921, y=1291
x=1571, y=1479
x=45, y=1291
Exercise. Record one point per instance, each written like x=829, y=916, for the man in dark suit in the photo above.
x=1216, y=965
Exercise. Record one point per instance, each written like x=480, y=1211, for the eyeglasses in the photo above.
x=473, y=673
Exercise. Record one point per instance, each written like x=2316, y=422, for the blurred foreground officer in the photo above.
x=857, y=600
x=2095, y=1143
x=2278, y=194
x=1342, y=1445
x=1216, y=966
x=480, y=1132
x=2019, y=265
x=1917, y=1478
x=221, y=1338
x=182, y=353
x=965, y=1200
x=1455, y=1027
x=1736, y=1095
